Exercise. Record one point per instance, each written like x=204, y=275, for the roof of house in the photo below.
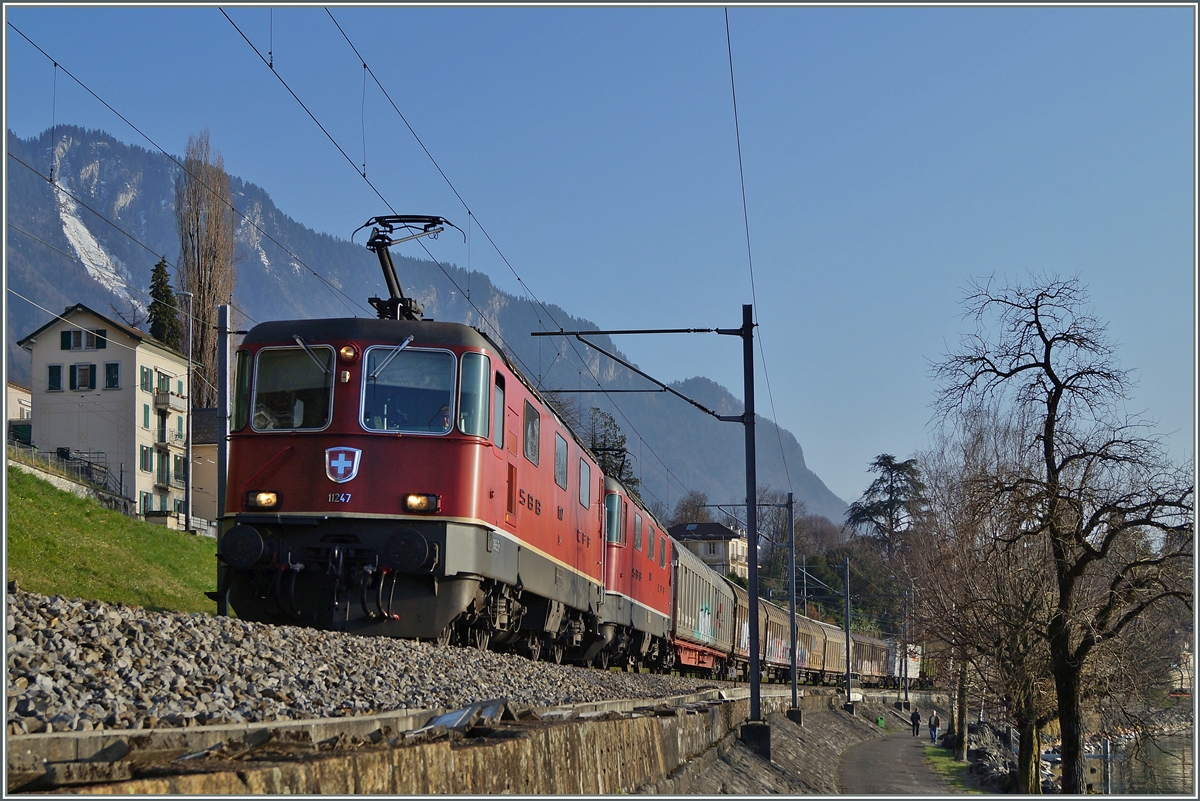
x=206, y=427
x=135, y=334
x=703, y=531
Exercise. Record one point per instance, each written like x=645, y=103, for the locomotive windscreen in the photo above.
x=292, y=390
x=414, y=390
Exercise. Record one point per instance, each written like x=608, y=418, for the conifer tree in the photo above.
x=165, y=325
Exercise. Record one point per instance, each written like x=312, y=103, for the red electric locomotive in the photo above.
x=637, y=608
x=399, y=476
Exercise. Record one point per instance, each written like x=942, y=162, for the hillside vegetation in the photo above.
x=58, y=544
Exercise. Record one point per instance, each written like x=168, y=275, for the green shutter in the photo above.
x=65, y=340
x=101, y=338
x=92, y=376
x=74, y=381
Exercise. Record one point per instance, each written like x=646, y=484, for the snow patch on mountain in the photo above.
x=250, y=233
x=107, y=269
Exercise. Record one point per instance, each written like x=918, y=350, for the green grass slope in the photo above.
x=58, y=544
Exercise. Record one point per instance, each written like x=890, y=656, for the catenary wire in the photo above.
x=421, y=243
x=471, y=216
x=185, y=170
x=132, y=238
x=749, y=256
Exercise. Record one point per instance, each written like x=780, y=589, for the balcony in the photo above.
x=165, y=438
x=165, y=479
x=166, y=400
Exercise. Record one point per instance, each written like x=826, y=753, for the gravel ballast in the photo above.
x=75, y=665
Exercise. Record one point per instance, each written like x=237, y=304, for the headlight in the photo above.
x=261, y=499
x=348, y=353
x=422, y=503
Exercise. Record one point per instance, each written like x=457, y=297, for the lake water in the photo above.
x=1154, y=766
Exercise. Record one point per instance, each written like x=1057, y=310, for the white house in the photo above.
x=721, y=548
x=116, y=396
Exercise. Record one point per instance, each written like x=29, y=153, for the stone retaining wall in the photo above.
x=578, y=757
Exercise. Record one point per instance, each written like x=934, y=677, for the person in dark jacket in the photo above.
x=916, y=721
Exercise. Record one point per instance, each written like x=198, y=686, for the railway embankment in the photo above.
x=113, y=698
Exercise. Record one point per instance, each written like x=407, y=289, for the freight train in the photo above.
x=401, y=477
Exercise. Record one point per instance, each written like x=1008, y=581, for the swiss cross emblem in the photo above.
x=341, y=464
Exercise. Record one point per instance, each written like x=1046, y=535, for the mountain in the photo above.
x=99, y=247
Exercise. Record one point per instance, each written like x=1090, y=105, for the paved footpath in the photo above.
x=892, y=765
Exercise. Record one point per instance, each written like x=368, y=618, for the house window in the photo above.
x=147, y=380
x=83, y=376
x=54, y=378
x=560, y=460
x=146, y=416
x=533, y=432
x=146, y=460
x=112, y=375
x=712, y=549
x=179, y=506
x=164, y=382
x=585, y=484
x=179, y=464
x=84, y=340
x=144, y=502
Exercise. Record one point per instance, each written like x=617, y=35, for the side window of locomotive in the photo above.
x=473, y=394
x=560, y=460
x=409, y=390
x=241, y=392
x=293, y=388
x=498, y=413
x=533, y=433
x=650, y=544
x=613, y=517
x=662, y=551
x=637, y=531
x=585, y=484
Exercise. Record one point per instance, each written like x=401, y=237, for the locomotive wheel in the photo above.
x=447, y=634
x=556, y=653
x=534, y=648
x=602, y=660
x=480, y=638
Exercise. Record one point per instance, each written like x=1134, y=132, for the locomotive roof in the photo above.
x=425, y=332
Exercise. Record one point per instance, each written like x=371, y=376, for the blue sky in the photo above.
x=890, y=155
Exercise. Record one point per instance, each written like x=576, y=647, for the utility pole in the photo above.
x=755, y=732
x=792, y=589
x=187, y=475
x=849, y=697
x=804, y=571
x=223, y=334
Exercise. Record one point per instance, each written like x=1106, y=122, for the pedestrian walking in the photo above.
x=935, y=724
x=916, y=721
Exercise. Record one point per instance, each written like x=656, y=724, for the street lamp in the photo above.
x=187, y=471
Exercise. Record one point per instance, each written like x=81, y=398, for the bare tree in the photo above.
x=1115, y=515
x=691, y=508
x=982, y=594
x=204, y=217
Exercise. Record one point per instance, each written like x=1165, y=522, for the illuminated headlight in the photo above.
x=259, y=499
x=421, y=503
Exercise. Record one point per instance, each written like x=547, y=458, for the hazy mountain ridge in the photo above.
x=276, y=260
